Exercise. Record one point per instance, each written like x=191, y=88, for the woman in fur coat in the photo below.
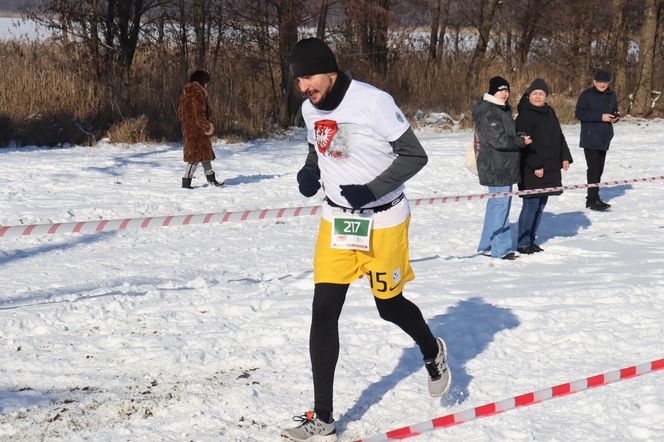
x=194, y=113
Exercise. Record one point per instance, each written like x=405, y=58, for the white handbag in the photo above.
x=471, y=155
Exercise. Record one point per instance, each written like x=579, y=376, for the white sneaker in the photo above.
x=440, y=377
x=311, y=429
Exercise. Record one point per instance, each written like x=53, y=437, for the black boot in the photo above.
x=186, y=183
x=599, y=206
x=212, y=180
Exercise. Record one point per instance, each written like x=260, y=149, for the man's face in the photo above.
x=316, y=87
x=601, y=85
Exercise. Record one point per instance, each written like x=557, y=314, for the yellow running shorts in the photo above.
x=386, y=264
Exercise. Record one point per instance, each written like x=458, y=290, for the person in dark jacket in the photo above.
x=597, y=109
x=498, y=155
x=541, y=162
x=197, y=129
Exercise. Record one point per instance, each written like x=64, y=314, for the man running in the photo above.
x=362, y=151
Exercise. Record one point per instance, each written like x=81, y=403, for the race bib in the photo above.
x=351, y=232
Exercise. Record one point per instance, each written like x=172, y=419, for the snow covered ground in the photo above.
x=201, y=332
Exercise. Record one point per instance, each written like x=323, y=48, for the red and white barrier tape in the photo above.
x=158, y=221
x=261, y=214
x=458, y=198
x=523, y=400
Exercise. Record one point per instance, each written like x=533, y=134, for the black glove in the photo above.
x=357, y=194
x=308, y=182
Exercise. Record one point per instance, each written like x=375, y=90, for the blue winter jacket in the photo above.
x=595, y=133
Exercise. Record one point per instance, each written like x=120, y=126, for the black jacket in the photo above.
x=498, y=154
x=548, y=149
x=595, y=133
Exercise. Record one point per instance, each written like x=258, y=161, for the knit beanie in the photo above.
x=602, y=76
x=200, y=76
x=312, y=56
x=540, y=84
x=498, y=84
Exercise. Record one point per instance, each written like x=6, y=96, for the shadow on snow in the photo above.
x=243, y=179
x=19, y=254
x=569, y=224
x=25, y=398
x=468, y=328
x=137, y=158
x=554, y=225
x=609, y=193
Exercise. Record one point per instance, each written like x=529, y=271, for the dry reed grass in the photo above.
x=51, y=95
x=129, y=130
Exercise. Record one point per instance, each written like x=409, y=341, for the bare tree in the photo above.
x=108, y=27
x=201, y=24
x=288, y=23
x=435, y=23
x=529, y=24
x=367, y=28
x=618, y=50
x=584, y=36
x=508, y=13
x=445, y=18
x=322, y=18
x=381, y=23
x=484, y=29
x=642, y=95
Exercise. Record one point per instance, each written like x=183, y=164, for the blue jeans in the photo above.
x=496, y=235
x=529, y=219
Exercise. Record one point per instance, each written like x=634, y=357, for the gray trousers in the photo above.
x=191, y=168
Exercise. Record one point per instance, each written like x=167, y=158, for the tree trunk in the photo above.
x=586, y=33
x=200, y=14
x=220, y=30
x=367, y=27
x=362, y=29
x=482, y=43
x=349, y=28
x=182, y=40
x=642, y=96
x=322, y=19
x=618, y=55
x=94, y=37
x=457, y=38
x=509, y=56
x=435, y=21
x=288, y=105
x=382, y=19
x=443, y=29
x=528, y=27
x=108, y=36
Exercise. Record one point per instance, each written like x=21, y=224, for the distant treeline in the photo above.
x=116, y=68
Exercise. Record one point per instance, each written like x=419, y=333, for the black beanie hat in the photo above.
x=540, y=84
x=498, y=84
x=200, y=76
x=312, y=56
x=603, y=76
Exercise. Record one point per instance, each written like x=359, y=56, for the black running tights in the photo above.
x=324, y=336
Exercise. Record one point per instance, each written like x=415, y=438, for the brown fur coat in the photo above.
x=194, y=113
